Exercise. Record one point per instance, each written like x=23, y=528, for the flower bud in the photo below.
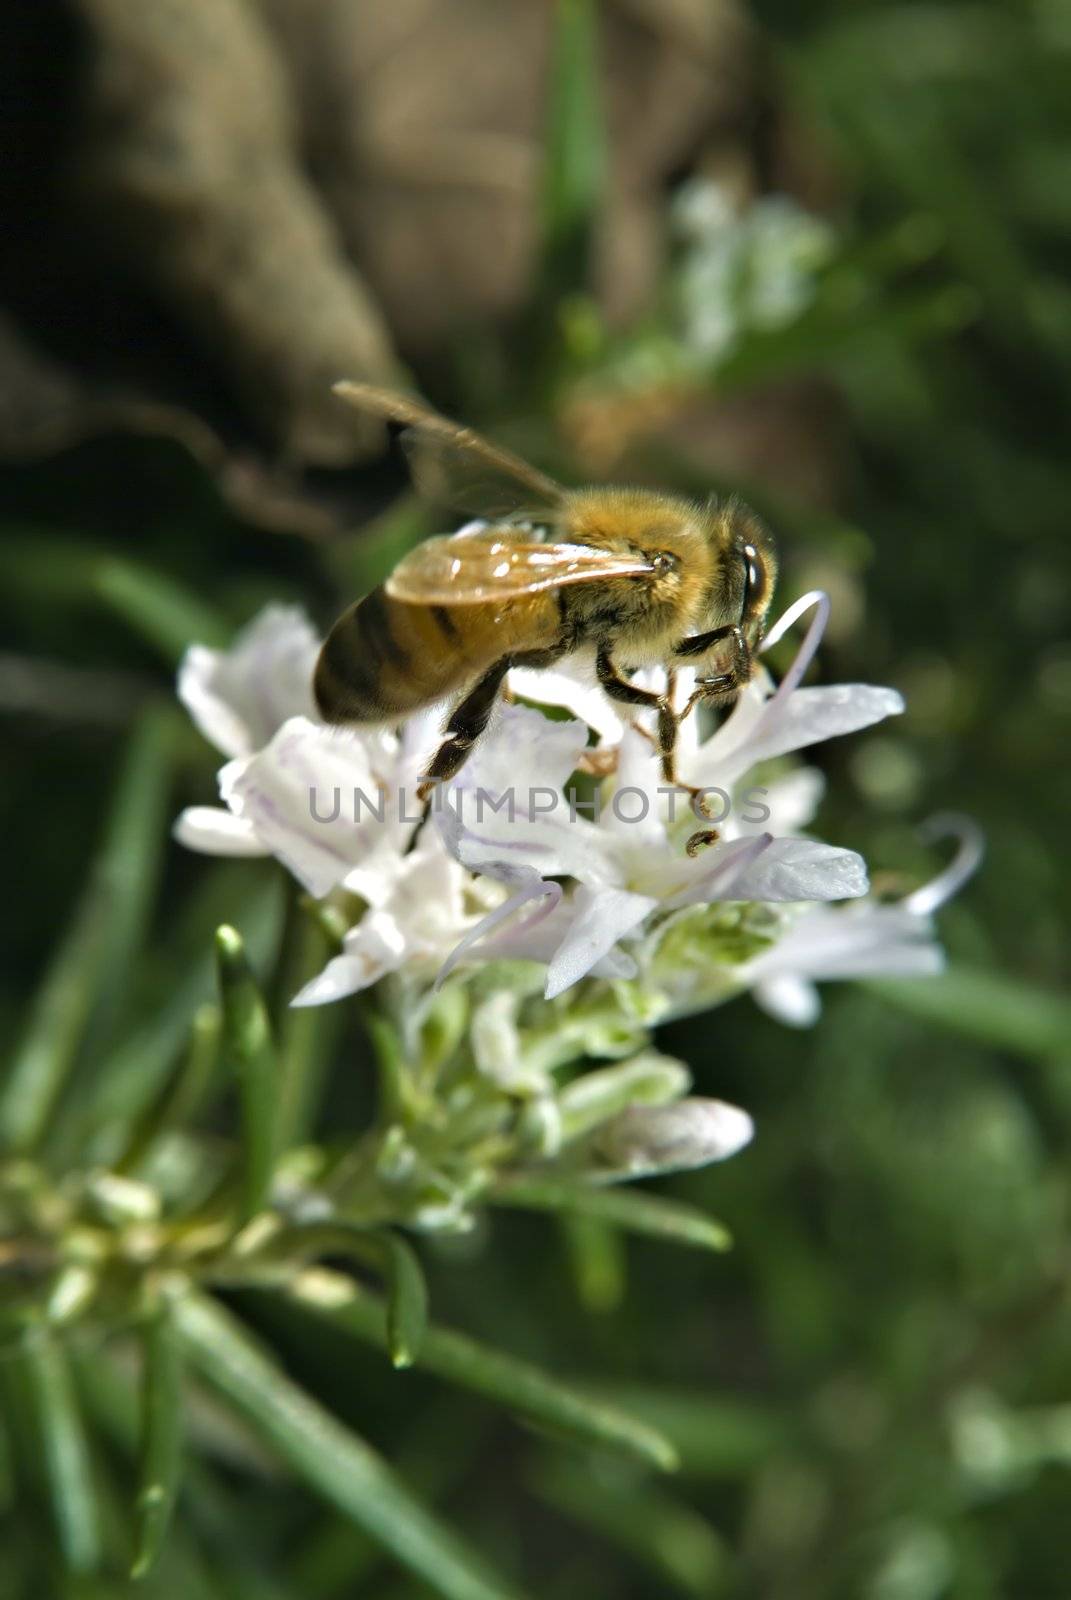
x=649, y=1139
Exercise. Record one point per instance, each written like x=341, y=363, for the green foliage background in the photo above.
x=871, y=1395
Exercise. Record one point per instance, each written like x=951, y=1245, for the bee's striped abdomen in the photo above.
x=385, y=658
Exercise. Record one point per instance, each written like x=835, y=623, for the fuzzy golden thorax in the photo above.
x=708, y=578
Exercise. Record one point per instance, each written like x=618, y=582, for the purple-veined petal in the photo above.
x=600, y=918
x=318, y=802
x=532, y=889
x=241, y=696
x=522, y=751
x=717, y=874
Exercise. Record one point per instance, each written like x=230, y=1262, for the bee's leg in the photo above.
x=467, y=722
x=619, y=688
x=699, y=643
x=722, y=685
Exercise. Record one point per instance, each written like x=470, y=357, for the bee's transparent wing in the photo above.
x=452, y=465
x=496, y=566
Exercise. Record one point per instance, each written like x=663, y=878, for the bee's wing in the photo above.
x=494, y=566
x=452, y=465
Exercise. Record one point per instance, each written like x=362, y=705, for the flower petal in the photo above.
x=507, y=808
x=570, y=689
x=241, y=696
x=532, y=887
x=792, y=800
x=789, y=999
x=865, y=940
x=808, y=716
x=539, y=939
x=215, y=832
x=798, y=869
x=320, y=801
x=600, y=918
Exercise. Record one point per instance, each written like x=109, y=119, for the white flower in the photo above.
x=510, y=867
x=430, y=903
x=330, y=803
x=861, y=941
x=631, y=864
x=241, y=696
x=755, y=268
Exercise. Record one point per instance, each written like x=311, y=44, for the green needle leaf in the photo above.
x=1000, y=1011
x=626, y=1208
x=64, y=1449
x=506, y=1379
x=130, y=1080
x=407, y=1301
x=307, y=1035
x=678, y=1545
x=161, y=1436
x=166, y=615
x=575, y=155
x=388, y=1253
x=328, y=1456
x=95, y=953
x=180, y=1097
x=248, y=1051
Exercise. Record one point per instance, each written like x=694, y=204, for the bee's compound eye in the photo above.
x=753, y=577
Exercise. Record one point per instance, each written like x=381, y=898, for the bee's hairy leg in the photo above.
x=619, y=688
x=467, y=722
x=722, y=685
x=425, y=811
x=699, y=643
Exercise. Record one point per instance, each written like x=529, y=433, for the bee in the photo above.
x=630, y=576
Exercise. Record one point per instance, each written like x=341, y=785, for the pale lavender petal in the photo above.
x=635, y=809
x=343, y=976
x=520, y=752
x=851, y=942
x=791, y=801
x=534, y=888
x=507, y=807
x=241, y=696
x=717, y=870
x=798, y=869
x=807, y=717
x=314, y=798
x=539, y=939
x=215, y=832
x=600, y=918
x=375, y=947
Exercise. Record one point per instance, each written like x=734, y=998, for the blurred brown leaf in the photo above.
x=251, y=198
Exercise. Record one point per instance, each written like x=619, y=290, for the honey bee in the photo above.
x=631, y=576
